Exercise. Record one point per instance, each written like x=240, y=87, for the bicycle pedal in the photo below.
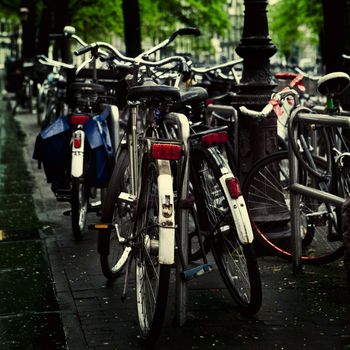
x=94, y=207
x=127, y=197
x=197, y=271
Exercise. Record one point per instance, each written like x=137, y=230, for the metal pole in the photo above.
x=255, y=88
x=294, y=210
x=257, y=139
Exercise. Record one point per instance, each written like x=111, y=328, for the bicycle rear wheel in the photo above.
x=266, y=193
x=113, y=252
x=236, y=261
x=152, y=277
x=79, y=206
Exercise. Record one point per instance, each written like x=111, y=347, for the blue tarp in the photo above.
x=59, y=126
x=53, y=149
x=97, y=132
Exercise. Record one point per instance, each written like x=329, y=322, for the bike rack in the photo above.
x=297, y=189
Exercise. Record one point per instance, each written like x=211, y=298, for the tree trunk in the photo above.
x=61, y=19
x=334, y=34
x=132, y=27
x=28, y=30
x=44, y=29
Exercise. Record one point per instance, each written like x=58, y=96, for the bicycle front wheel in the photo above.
x=152, y=277
x=112, y=245
x=266, y=193
x=236, y=261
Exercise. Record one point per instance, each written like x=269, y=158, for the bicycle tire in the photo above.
x=113, y=255
x=152, y=277
x=236, y=261
x=265, y=190
x=79, y=207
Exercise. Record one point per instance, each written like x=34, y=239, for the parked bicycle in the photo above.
x=145, y=214
x=278, y=189
x=77, y=148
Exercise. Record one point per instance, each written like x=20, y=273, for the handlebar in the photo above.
x=272, y=105
x=166, y=42
x=203, y=70
x=136, y=60
x=52, y=63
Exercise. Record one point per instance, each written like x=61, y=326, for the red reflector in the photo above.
x=79, y=119
x=77, y=141
x=166, y=151
x=208, y=101
x=233, y=187
x=214, y=139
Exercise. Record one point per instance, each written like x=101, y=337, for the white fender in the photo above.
x=78, y=153
x=239, y=212
x=166, y=214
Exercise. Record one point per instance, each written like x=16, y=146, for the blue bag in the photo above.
x=52, y=149
x=101, y=151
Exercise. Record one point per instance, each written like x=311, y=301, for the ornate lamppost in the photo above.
x=255, y=88
x=256, y=139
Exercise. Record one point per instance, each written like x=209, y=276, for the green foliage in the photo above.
x=9, y=8
x=159, y=18
x=288, y=20
x=102, y=19
x=97, y=19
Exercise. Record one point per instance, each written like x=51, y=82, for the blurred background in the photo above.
x=310, y=33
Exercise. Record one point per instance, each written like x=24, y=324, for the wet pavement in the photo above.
x=308, y=311
x=29, y=312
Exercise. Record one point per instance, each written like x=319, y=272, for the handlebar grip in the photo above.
x=184, y=31
x=83, y=50
x=189, y=31
x=256, y=114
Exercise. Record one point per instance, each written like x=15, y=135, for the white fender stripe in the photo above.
x=166, y=214
x=78, y=154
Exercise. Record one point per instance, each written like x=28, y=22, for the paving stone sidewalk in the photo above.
x=308, y=311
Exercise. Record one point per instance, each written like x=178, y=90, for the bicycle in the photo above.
x=51, y=100
x=84, y=146
x=277, y=185
x=133, y=213
x=25, y=94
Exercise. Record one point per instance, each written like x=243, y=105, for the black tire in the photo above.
x=236, y=262
x=79, y=206
x=113, y=255
x=152, y=278
x=267, y=196
x=230, y=256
